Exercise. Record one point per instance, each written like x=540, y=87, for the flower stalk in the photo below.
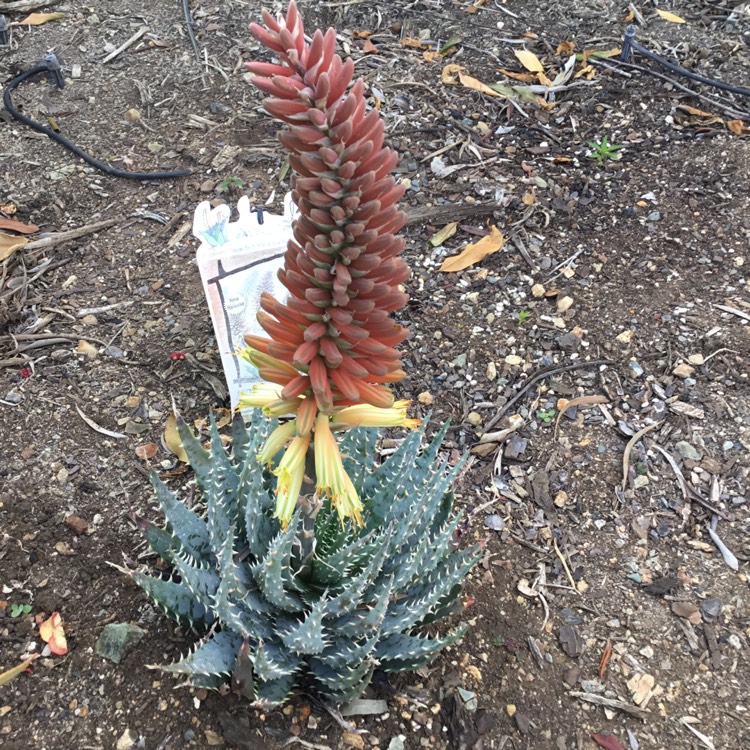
x=331, y=350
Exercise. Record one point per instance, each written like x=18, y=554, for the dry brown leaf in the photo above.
x=671, y=17
x=737, y=127
x=432, y=56
x=9, y=243
x=8, y=208
x=37, y=19
x=696, y=112
x=361, y=34
x=11, y=674
x=370, y=48
x=529, y=60
x=146, y=451
x=172, y=439
x=474, y=252
x=18, y=226
x=629, y=17
x=524, y=77
x=565, y=49
x=410, y=41
x=454, y=74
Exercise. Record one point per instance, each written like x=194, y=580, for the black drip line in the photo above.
x=629, y=45
x=51, y=67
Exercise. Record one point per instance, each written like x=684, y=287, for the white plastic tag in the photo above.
x=238, y=260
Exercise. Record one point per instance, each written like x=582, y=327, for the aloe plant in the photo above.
x=316, y=605
x=309, y=563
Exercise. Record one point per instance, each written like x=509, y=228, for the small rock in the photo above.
x=514, y=360
x=572, y=676
x=711, y=465
x=569, y=342
x=214, y=739
x=397, y=743
x=564, y=304
x=711, y=609
x=647, y=651
x=126, y=741
x=12, y=398
x=537, y=290
x=474, y=418
x=207, y=186
x=640, y=481
x=491, y=371
x=89, y=320
x=87, y=349
x=686, y=451
x=635, y=368
x=510, y=709
x=425, y=398
x=494, y=522
x=352, y=739
x=117, y=639
x=696, y=359
x=561, y=499
x=76, y=71
x=78, y=525
x=522, y=722
x=593, y=686
x=133, y=115
x=683, y=370
x=515, y=447
x=625, y=337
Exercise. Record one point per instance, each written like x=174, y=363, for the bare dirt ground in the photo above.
x=605, y=613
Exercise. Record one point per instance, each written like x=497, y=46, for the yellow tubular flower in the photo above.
x=364, y=415
x=276, y=441
x=332, y=479
x=281, y=408
x=291, y=474
x=260, y=396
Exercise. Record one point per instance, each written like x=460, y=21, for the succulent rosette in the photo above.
x=331, y=350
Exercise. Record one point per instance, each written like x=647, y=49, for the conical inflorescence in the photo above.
x=334, y=338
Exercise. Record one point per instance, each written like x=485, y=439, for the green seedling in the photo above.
x=523, y=316
x=546, y=415
x=603, y=150
x=16, y=610
x=231, y=183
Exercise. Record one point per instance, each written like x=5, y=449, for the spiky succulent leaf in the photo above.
x=399, y=652
x=282, y=618
x=214, y=656
x=176, y=600
x=187, y=527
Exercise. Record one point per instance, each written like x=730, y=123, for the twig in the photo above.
x=626, y=455
x=540, y=376
x=13, y=362
x=725, y=308
x=687, y=491
x=565, y=566
x=600, y=700
x=133, y=39
x=84, y=311
x=72, y=234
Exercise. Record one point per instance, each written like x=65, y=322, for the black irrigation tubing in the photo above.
x=629, y=44
x=190, y=30
x=51, y=67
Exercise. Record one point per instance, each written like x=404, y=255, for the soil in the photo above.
x=601, y=579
